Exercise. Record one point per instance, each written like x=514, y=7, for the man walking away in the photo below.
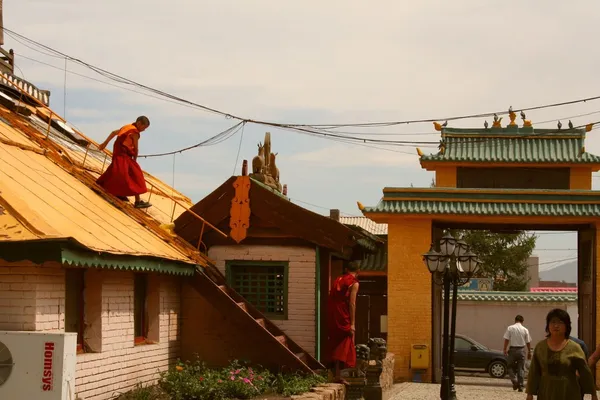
x=516, y=339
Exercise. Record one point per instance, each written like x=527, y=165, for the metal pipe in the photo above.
x=454, y=277
x=444, y=389
x=87, y=149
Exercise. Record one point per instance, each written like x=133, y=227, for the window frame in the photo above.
x=138, y=340
x=231, y=264
x=80, y=300
x=469, y=344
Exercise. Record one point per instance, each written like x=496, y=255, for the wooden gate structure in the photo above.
x=500, y=178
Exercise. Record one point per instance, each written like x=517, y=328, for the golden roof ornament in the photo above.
x=526, y=122
x=512, y=116
x=497, y=122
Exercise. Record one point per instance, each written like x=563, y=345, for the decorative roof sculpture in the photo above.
x=264, y=167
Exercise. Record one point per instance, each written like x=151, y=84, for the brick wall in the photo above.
x=38, y=294
x=409, y=291
x=31, y=298
x=300, y=325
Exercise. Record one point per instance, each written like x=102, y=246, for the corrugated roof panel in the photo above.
x=47, y=201
x=366, y=224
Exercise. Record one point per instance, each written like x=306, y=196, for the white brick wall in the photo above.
x=33, y=298
x=300, y=325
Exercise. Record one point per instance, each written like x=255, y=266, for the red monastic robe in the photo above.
x=124, y=177
x=341, y=342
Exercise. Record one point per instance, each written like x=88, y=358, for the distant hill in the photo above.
x=566, y=272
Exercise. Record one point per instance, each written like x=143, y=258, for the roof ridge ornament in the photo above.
x=512, y=116
x=526, y=122
x=497, y=121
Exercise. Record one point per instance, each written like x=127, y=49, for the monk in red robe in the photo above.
x=342, y=317
x=124, y=177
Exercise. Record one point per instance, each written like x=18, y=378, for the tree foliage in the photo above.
x=504, y=256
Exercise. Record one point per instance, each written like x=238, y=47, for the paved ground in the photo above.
x=468, y=388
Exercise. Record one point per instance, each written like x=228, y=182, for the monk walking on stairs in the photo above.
x=342, y=317
x=124, y=177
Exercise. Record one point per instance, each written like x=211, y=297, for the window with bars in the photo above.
x=264, y=285
x=75, y=304
x=140, y=311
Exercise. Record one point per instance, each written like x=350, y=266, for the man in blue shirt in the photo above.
x=583, y=346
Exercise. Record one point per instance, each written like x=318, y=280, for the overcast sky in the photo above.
x=311, y=62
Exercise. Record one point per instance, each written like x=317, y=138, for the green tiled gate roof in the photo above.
x=529, y=297
x=513, y=145
x=567, y=203
x=375, y=262
x=470, y=208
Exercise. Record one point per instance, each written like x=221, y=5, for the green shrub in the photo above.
x=194, y=381
x=144, y=393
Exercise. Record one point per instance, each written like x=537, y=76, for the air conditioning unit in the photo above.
x=37, y=365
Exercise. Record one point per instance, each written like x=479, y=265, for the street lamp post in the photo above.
x=454, y=265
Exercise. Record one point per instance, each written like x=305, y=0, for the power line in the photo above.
x=557, y=261
x=128, y=81
x=216, y=139
x=322, y=132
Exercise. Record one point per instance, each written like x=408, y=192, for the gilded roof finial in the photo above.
x=512, y=116
x=360, y=206
x=442, y=147
x=526, y=122
x=497, y=122
x=589, y=127
x=438, y=127
x=419, y=152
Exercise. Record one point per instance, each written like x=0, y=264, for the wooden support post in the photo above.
x=87, y=149
x=104, y=162
x=49, y=124
x=201, y=234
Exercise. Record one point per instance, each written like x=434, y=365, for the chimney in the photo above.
x=334, y=215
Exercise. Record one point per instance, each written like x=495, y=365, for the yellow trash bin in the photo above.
x=419, y=357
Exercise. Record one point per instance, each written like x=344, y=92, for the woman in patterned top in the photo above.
x=556, y=363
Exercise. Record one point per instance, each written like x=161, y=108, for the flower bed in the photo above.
x=194, y=381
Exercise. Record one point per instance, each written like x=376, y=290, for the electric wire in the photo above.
x=159, y=92
x=325, y=132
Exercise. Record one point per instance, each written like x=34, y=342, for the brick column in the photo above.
x=409, y=291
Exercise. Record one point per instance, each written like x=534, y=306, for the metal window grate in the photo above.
x=262, y=286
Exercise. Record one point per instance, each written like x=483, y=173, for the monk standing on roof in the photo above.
x=342, y=317
x=124, y=177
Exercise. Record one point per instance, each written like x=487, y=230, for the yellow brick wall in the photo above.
x=445, y=177
x=409, y=291
x=590, y=345
x=580, y=178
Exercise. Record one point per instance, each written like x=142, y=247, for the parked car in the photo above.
x=472, y=356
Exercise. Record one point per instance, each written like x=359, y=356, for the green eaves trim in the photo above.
x=567, y=196
x=90, y=259
x=408, y=207
x=521, y=297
